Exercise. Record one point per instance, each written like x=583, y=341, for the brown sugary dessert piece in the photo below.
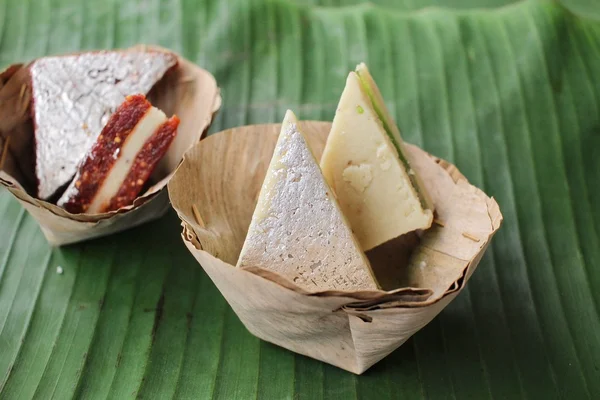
x=118, y=165
x=145, y=162
x=73, y=98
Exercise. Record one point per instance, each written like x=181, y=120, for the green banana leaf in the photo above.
x=509, y=91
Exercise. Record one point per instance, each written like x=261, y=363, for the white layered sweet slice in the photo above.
x=363, y=163
x=298, y=229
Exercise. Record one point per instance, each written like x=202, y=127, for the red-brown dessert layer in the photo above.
x=146, y=160
x=105, y=152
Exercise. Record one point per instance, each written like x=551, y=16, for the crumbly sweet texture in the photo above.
x=111, y=151
x=145, y=163
x=362, y=165
x=103, y=154
x=73, y=98
x=298, y=229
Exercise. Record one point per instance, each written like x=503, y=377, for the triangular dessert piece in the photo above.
x=121, y=160
x=73, y=98
x=298, y=229
x=368, y=83
x=363, y=161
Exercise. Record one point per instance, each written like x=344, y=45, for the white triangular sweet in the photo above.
x=370, y=176
x=298, y=229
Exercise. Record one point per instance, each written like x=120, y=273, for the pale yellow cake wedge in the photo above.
x=364, y=163
x=372, y=90
x=298, y=229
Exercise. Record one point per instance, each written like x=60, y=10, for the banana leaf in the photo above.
x=509, y=91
